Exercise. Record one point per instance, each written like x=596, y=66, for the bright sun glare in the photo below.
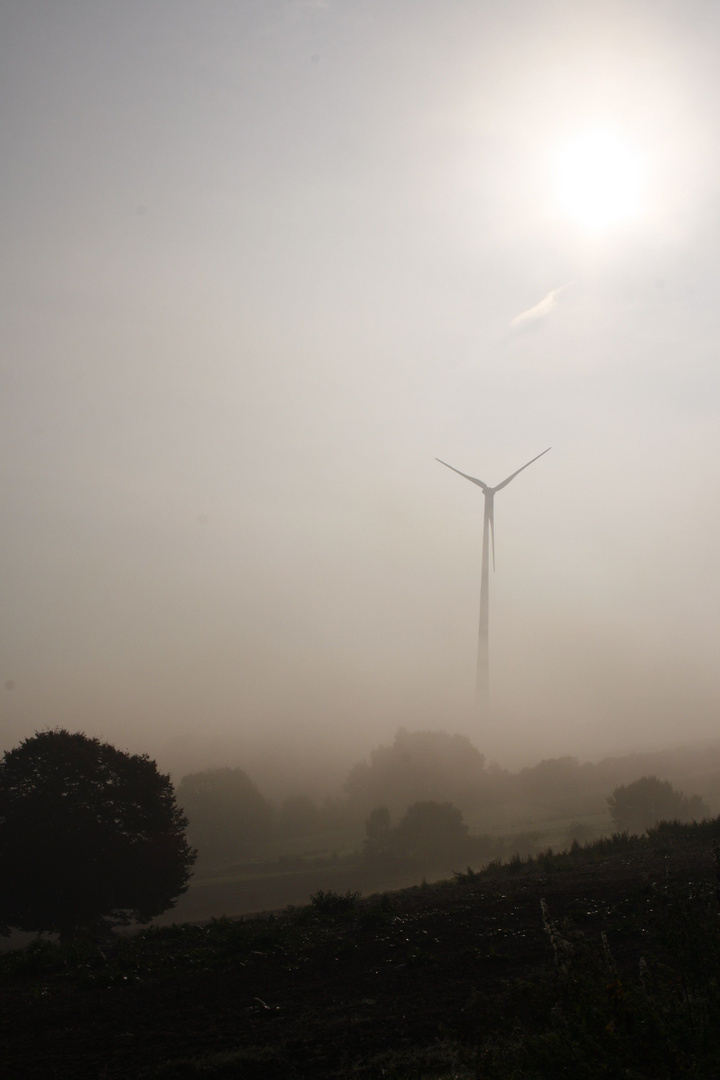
x=599, y=179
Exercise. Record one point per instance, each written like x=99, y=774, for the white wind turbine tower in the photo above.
x=482, y=685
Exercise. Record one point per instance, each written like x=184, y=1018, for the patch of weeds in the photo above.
x=494, y=868
x=468, y=875
x=546, y=860
x=333, y=903
x=616, y=844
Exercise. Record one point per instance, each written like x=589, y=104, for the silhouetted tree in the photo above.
x=431, y=829
x=90, y=836
x=638, y=806
x=228, y=817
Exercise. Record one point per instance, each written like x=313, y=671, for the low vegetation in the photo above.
x=600, y=961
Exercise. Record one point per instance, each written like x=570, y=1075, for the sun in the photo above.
x=599, y=179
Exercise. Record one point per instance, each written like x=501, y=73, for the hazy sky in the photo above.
x=262, y=263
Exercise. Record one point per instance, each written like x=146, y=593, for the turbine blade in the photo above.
x=513, y=475
x=474, y=480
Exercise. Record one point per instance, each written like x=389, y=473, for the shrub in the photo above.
x=638, y=806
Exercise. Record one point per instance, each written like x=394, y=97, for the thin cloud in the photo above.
x=540, y=310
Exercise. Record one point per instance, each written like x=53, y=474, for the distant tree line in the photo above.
x=92, y=837
x=430, y=765
x=229, y=818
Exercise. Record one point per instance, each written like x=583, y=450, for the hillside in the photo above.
x=597, y=962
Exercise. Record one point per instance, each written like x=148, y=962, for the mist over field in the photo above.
x=262, y=264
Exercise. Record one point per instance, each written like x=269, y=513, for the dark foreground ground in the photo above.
x=460, y=979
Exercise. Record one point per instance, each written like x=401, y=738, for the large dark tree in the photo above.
x=90, y=836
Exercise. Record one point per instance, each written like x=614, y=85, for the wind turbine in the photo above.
x=482, y=688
